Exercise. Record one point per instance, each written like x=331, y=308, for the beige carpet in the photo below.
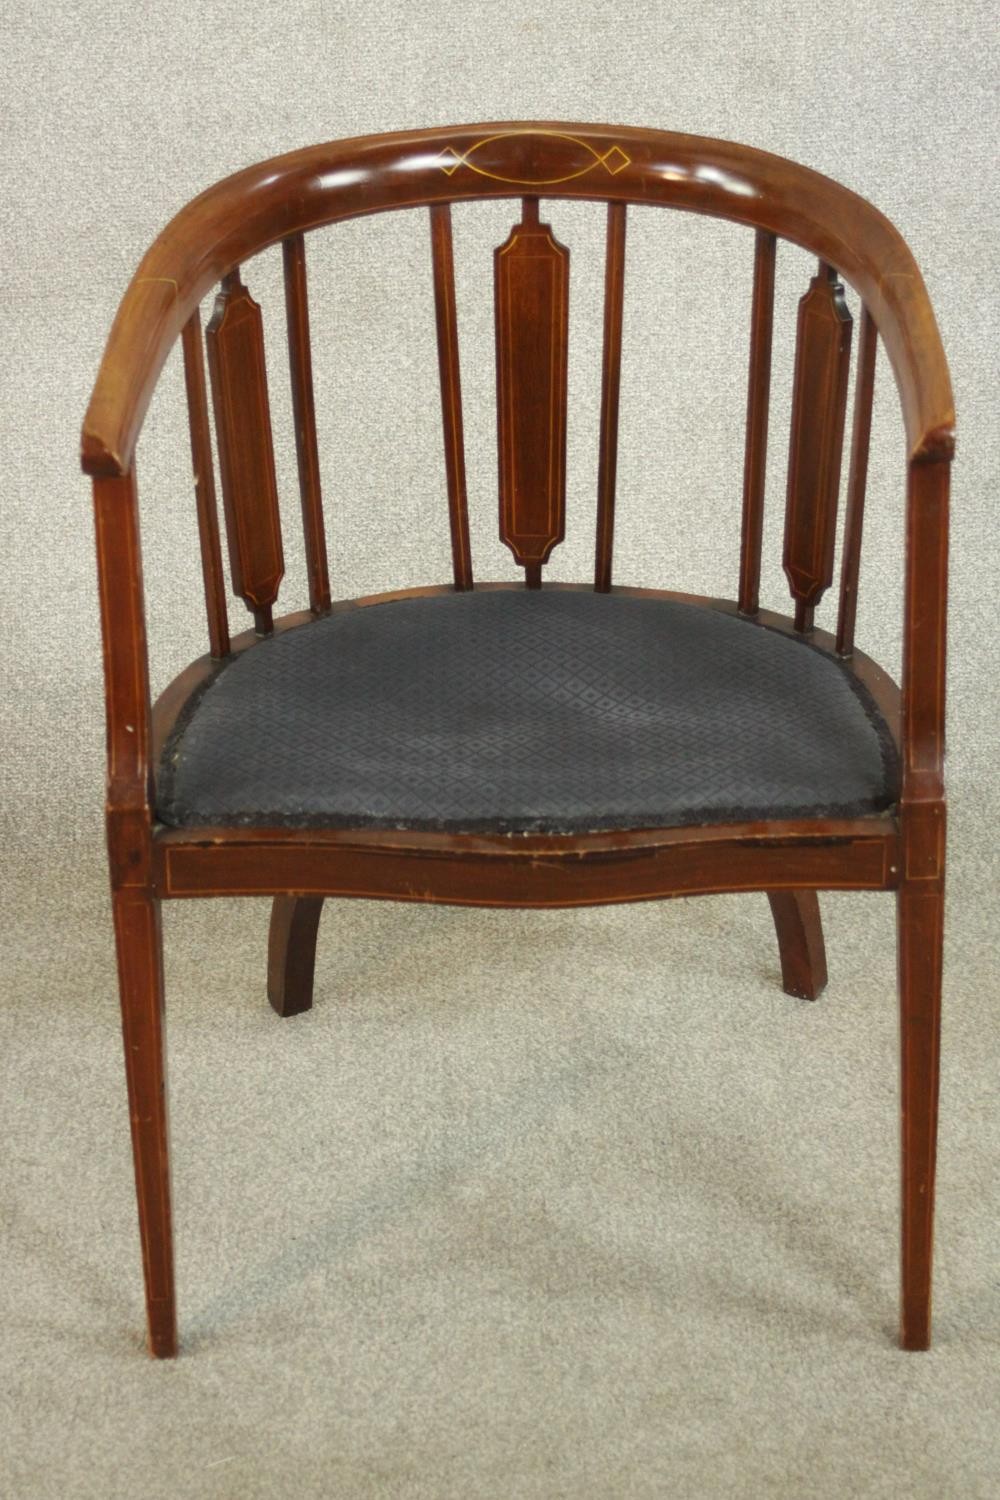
x=565, y=1204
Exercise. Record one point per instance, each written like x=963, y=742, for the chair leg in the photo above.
x=799, y=927
x=921, y=929
x=139, y=943
x=291, y=953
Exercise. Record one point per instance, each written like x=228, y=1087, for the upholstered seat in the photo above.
x=548, y=711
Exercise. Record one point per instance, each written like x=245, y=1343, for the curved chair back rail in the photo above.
x=283, y=197
x=897, y=843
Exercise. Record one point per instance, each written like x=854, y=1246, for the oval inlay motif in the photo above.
x=613, y=160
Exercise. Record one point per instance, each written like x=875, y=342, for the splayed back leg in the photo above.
x=799, y=928
x=291, y=953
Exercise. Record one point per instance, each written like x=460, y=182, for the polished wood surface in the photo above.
x=135, y=906
x=276, y=202
x=531, y=272
x=758, y=415
x=611, y=380
x=291, y=952
x=139, y=943
x=129, y=781
x=853, y=855
x=235, y=343
x=204, y=487
x=799, y=927
x=819, y=402
x=304, y=416
x=920, y=920
x=925, y=592
x=921, y=934
x=857, y=482
x=449, y=370
x=324, y=184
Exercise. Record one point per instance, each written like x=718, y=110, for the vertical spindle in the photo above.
x=758, y=408
x=451, y=392
x=204, y=486
x=304, y=415
x=607, y=469
x=864, y=387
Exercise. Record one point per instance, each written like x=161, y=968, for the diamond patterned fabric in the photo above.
x=538, y=711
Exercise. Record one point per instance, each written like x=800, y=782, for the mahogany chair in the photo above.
x=499, y=745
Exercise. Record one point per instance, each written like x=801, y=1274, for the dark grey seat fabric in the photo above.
x=525, y=712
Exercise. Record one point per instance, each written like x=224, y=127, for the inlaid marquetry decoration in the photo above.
x=531, y=276
x=235, y=342
x=819, y=403
x=557, y=158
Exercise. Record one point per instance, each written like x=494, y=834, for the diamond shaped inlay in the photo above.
x=453, y=162
x=615, y=160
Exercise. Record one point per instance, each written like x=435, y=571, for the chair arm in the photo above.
x=126, y=678
x=924, y=633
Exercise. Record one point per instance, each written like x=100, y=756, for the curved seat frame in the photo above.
x=903, y=850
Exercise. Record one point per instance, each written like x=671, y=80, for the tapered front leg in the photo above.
x=291, y=953
x=799, y=927
x=921, y=930
x=139, y=943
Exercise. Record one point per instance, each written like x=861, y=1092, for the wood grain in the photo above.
x=531, y=281
x=758, y=410
x=819, y=403
x=845, y=855
x=921, y=929
x=326, y=184
x=291, y=953
x=235, y=341
x=799, y=929
x=449, y=368
x=204, y=488
x=611, y=377
x=857, y=481
x=304, y=416
x=924, y=631
x=126, y=661
x=139, y=944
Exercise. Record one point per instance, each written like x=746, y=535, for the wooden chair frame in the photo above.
x=279, y=201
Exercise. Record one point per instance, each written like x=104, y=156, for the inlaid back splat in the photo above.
x=822, y=362
x=531, y=279
x=235, y=343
